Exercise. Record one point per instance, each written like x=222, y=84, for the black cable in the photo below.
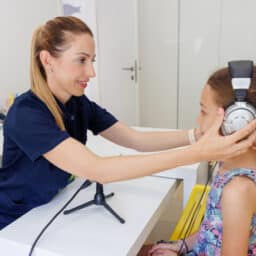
x=195, y=214
x=84, y=185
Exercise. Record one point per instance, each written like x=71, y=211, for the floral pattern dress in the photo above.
x=210, y=234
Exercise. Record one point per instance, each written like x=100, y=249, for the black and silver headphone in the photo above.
x=240, y=113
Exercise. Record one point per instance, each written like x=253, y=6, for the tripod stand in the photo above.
x=99, y=199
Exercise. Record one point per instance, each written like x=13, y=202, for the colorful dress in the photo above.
x=210, y=234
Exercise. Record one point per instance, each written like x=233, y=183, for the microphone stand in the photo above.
x=99, y=199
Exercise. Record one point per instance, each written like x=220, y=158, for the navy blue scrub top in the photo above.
x=27, y=179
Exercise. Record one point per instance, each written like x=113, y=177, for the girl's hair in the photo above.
x=52, y=37
x=220, y=82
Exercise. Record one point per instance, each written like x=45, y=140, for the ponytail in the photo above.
x=39, y=85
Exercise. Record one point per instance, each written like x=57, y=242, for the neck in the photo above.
x=246, y=160
x=57, y=91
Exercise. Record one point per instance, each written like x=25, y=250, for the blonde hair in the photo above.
x=51, y=37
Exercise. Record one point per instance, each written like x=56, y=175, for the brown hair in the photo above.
x=220, y=82
x=53, y=37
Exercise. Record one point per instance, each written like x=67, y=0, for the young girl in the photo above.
x=229, y=225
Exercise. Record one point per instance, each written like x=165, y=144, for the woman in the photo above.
x=45, y=129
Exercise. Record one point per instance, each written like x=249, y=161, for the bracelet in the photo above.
x=191, y=136
x=183, y=247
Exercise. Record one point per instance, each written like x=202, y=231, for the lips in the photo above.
x=82, y=84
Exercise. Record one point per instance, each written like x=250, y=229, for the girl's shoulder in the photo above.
x=239, y=174
x=239, y=179
x=240, y=186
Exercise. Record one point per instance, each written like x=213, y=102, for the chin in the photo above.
x=78, y=94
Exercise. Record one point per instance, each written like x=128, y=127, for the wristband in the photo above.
x=191, y=136
x=183, y=247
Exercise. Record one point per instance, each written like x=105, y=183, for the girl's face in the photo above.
x=208, y=109
x=72, y=70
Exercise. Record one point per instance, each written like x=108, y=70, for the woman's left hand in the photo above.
x=254, y=145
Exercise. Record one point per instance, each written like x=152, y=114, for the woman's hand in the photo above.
x=213, y=146
x=165, y=249
x=198, y=133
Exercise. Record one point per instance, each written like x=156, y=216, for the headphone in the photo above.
x=240, y=113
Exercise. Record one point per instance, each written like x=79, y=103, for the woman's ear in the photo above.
x=46, y=58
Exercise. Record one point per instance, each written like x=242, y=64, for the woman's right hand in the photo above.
x=213, y=146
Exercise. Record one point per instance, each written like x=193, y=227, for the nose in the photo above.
x=90, y=71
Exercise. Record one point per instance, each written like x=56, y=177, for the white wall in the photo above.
x=237, y=34
x=199, y=54
x=18, y=19
x=211, y=33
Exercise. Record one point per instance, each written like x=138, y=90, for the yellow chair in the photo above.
x=192, y=214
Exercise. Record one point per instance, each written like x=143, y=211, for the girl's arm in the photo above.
x=238, y=207
x=175, y=246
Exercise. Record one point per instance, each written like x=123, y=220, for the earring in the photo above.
x=50, y=69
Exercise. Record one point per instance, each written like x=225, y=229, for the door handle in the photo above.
x=128, y=69
x=134, y=69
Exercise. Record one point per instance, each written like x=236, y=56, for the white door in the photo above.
x=117, y=49
x=158, y=55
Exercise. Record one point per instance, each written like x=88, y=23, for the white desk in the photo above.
x=92, y=231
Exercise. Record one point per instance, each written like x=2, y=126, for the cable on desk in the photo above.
x=83, y=186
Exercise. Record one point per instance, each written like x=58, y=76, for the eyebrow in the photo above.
x=86, y=54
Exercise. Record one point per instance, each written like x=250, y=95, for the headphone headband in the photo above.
x=241, y=68
x=241, y=72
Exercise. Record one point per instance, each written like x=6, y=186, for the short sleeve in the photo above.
x=100, y=118
x=32, y=127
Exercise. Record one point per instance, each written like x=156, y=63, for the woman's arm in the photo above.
x=72, y=156
x=145, y=141
x=238, y=207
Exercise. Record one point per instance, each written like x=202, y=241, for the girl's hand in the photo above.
x=164, y=253
x=213, y=146
x=165, y=249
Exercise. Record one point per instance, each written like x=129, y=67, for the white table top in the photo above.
x=92, y=231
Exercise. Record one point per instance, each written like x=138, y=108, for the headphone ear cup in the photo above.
x=237, y=116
